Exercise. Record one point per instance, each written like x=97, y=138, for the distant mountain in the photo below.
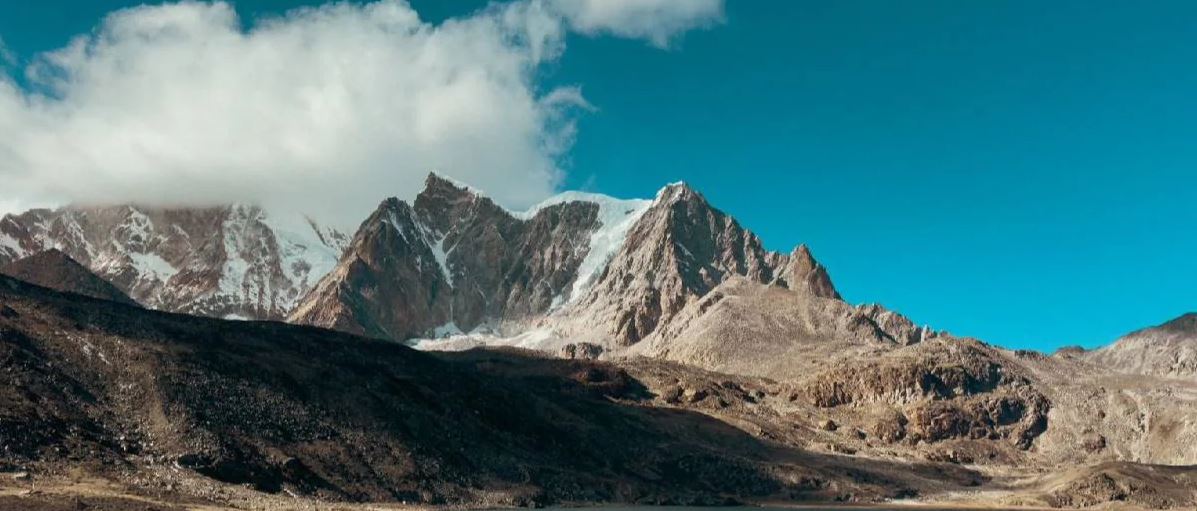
x=1168, y=349
x=456, y=262
x=56, y=270
x=229, y=262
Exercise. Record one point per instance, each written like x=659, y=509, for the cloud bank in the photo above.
x=326, y=109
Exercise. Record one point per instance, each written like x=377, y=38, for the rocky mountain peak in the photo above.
x=388, y=283
x=443, y=201
x=679, y=250
x=679, y=192
x=806, y=274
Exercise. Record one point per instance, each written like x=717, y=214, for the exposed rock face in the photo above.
x=454, y=262
x=505, y=268
x=943, y=389
x=234, y=261
x=581, y=350
x=1169, y=350
x=389, y=284
x=56, y=270
x=680, y=250
x=945, y=370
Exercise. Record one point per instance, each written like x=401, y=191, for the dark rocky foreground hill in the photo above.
x=157, y=401
x=169, y=408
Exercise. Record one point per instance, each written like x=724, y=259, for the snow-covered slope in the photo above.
x=615, y=218
x=234, y=261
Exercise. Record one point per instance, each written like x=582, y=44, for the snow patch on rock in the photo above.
x=152, y=266
x=10, y=247
x=436, y=243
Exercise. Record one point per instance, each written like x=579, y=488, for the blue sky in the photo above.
x=1022, y=172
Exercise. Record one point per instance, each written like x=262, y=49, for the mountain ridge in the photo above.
x=586, y=266
x=502, y=273
x=1168, y=349
x=234, y=261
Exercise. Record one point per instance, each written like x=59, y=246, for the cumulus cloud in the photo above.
x=326, y=109
x=658, y=21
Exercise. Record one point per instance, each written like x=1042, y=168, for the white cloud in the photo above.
x=658, y=21
x=326, y=109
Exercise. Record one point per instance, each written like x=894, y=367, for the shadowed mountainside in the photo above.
x=55, y=270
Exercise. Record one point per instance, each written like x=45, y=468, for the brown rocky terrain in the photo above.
x=175, y=407
x=156, y=400
x=744, y=327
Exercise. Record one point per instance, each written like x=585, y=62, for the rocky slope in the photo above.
x=745, y=327
x=56, y=270
x=1169, y=349
x=176, y=408
x=235, y=261
x=163, y=402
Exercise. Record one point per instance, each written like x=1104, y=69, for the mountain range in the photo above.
x=235, y=262
x=453, y=262
x=644, y=318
